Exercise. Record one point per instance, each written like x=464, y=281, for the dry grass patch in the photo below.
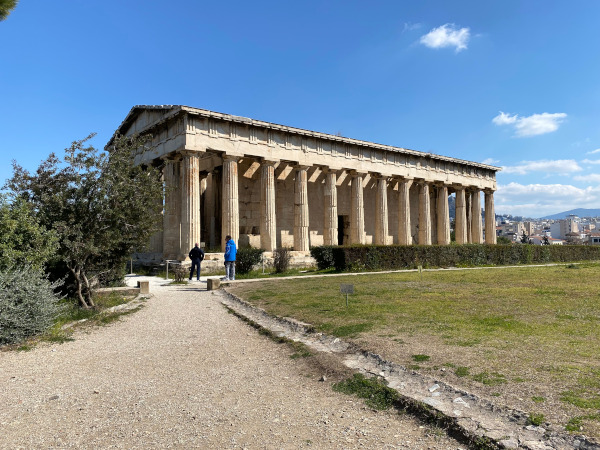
x=516, y=335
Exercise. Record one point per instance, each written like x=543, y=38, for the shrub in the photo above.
x=281, y=259
x=247, y=258
x=378, y=257
x=180, y=273
x=28, y=304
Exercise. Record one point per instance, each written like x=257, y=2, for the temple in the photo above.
x=270, y=185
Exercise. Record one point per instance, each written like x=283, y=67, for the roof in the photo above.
x=176, y=109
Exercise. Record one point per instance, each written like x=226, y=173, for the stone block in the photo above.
x=144, y=287
x=213, y=284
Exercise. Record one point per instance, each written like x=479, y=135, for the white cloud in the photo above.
x=504, y=119
x=490, y=161
x=591, y=161
x=537, y=200
x=593, y=152
x=531, y=125
x=557, y=166
x=447, y=36
x=593, y=177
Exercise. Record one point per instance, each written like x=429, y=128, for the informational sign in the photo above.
x=347, y=288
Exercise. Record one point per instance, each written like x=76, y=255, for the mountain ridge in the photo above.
x=580, y=212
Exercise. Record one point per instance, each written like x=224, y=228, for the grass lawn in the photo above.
x=524, y=337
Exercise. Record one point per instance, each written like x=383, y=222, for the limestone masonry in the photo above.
x=270, y=185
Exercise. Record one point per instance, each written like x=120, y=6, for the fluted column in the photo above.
x=469, y=210
x=490, y=218
x=404, y=227
x=424, y=214
x=172, y=214
x=433, y=213
x=476, y=230
x=230, y=216
x=301, y=240
x=357, y=210
x=443, y=216
x=268, y=224
x=330, y=219
x=460, y=223
x=381, y=212
x=190, y=203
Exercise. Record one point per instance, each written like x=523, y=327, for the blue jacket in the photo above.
x=230, y=250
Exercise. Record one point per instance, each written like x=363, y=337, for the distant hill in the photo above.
x=581, y=212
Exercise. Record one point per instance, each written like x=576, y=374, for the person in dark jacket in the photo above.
x=196, y=255
x=230, y=254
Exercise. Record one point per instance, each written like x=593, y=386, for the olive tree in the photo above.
x=99, y=203
x=23, y=241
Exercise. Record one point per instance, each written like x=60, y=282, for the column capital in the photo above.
x=268, y=161
x=489, y=190
x=171, y=157
x=329, y=169
x=188, y=153
x=234, y=158
x=356, y=173
x=301, y=167
x=380, y=175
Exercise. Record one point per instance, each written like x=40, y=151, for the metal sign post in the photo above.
x=347, y=289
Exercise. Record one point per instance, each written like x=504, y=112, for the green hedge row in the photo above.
x=384, y=257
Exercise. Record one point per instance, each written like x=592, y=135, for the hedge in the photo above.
x=388, y=257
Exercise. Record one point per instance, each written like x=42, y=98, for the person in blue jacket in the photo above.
x=230, y=253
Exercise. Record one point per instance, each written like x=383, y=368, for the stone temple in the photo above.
x=270, y=185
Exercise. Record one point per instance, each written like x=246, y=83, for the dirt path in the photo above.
x=184, y=373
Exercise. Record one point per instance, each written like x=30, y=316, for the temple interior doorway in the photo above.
x=343, y=230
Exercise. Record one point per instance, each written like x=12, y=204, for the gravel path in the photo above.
x=183, y=373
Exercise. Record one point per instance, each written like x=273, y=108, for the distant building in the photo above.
x=594, y=239
x=561, y=228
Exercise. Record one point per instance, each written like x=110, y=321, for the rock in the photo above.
x=510, y=443
x=434, y=388
x=323, y=378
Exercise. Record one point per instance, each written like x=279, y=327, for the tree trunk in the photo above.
x=77, y=274
x=88, y=291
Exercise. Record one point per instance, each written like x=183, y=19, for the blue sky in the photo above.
x=514, y=83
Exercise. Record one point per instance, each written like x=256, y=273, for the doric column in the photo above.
x=433, y=213
x=443, y=216
x=490, y=218
x=404, y=227
x=381, y=211
x=172, y=215
x=357, y=210
x=268, y=225
x=190, y=203
x=476, y=230
x=469, y=210
x=301, y=241
x=230, y=216
x=424, y=214
x=330, y=218
x=460, y=223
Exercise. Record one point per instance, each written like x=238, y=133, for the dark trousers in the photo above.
x=195, y=264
